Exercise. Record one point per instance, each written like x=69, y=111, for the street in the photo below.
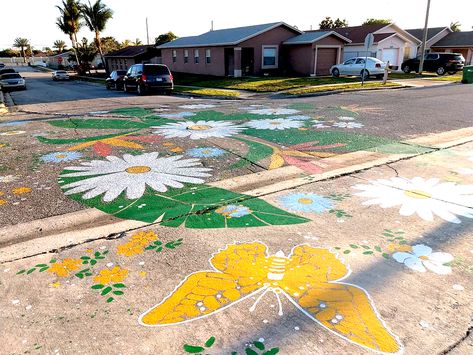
x=171, y=225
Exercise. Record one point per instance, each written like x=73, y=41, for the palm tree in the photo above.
x=96, y=17
x=455, y=26
x=69, y=21
x=126, y=43
x=137, y=42
x=60, y=45
x=22, y=43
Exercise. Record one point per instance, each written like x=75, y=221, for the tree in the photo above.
x=164, y=38
x=69, y=22
x=96, y=17
x=49, y=52
x=377, y=21
x=109, y=44
x=126, y=43
x=327, y=23
x=9, y=53
x=22, y=43
x=455, y=26
x=86, y=52
x=137, y=42
x=59, y=45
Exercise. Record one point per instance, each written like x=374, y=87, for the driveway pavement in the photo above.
x=169, y=225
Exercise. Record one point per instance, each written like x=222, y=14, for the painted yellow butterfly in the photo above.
x=309, y=278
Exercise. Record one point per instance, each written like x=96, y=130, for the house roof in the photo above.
x=378, y=37
x=456, y=39
x=130, y=51
x=431, y=32
x=358, y=34
x=314, y=36
x=228, y=36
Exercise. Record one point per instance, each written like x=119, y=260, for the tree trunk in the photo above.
x=23, y=54
x=98, y=43
x=74, y=47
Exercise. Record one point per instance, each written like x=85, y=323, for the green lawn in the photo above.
x=454, y=77
x=316, y=89
x=206, y=92
x=272, y=84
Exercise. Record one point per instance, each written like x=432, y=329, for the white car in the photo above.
x=60, y=75
x=12, y=81
x=356, y=66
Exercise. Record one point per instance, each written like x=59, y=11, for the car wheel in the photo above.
x=440, y=71
x=406, y=69
x=335, y=72
x=365, y=74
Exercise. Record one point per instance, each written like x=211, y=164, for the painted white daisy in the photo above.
x=274, y=111
x=465, y=171
x=198, y=130
x=422, y=259
x=299, y=117
x=350, y=125
x=276, y=123
x=12, y=133
x=178, y=115
x=425, y=198
x=320, y=125
x=197, y=106
x=8, y=178
x=346, y=118
x=133, y=173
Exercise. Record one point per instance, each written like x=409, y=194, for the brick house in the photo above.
x=456, y=42
x=126, y=57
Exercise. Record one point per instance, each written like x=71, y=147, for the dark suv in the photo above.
x=439, y=63
x=146, y=77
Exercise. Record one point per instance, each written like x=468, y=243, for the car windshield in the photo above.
x=458, y=57
x=3, y=71
x=156, y=70
x=121, y=72
x=10, y=76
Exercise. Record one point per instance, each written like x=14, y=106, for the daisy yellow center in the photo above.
x=305, y=201
x=206, y=152
x=138, y=169
x=199, y=127
x=60, y=156
x=418, y=194
x=275, y=123
x=423, y=257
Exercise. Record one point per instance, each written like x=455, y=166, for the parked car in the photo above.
x=60, y=75
x=356, y=66
x=11, y=81
x=2, y=65
x=439, y=63
x=7, y=70
x=115, y=80
x=147, y=77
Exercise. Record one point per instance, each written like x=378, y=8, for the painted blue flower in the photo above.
x=59, y=157
x=178, y=115
x=299, y=117
x=14, y=123
x=205, y=152
x=306, y=202
x=233, y=211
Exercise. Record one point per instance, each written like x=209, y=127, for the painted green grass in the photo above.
x=317, y=89
x=273, y=84
x=206, y=92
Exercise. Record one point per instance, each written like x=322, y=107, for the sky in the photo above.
x=35, y=19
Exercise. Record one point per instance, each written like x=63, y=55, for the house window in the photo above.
x=186, y=56
x=208, y=58
x=174, y=56
x=196, y=56
x=270, y=57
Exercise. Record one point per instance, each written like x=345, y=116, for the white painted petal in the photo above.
x=437, y=267
x=421, y=250
x=440, y=257
x=135, y=190
x=424, y=212
x=415, y=264
x=407, y=209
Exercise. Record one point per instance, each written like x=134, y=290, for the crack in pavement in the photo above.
x=458, y=342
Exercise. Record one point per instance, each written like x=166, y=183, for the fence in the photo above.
x=19, y=61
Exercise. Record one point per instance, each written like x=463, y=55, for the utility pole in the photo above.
x=147, y=33
x=424, y=40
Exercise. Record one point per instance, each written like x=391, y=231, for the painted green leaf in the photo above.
x=249, y=351
x=118, y=293
x=106, y=290
x=353, y=246
x=210, y=341
x=368, y=252
x=347, y=252
x=76, y=140
x=21, y=272
x=378, y=249
x=30, y=271
x=193, y=349
x=86, y=123
x=79, y=275
x=97, y=287
x=119, y=285
x=110, y=299
x=133, y=111
x=273, y=351
x=194, y=206
x=256, y=152
x=259, y=345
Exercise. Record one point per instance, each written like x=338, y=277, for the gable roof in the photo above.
x=358, y=34
x=456, y=39
x=314, y=36
x=431, y=32
x=228, y=36
x=131, y=51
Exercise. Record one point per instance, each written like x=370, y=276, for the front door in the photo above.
x=229, y=62
x=247, y=61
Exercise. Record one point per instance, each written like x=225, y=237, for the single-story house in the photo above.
x=434, y=34
x=391, y=43
x=456, y=42
x=249, y=50
x=314, y=52
x=126, y=57
x=61, y=60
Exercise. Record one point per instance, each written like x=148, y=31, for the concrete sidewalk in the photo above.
x=383, y=261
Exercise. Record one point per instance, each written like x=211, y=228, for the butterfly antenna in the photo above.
x=280, y=313
x=253, y=307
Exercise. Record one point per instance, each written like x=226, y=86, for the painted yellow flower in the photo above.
x=396, y=247
x=21, y=190
x=137, y=243
x=106, y=276
x=130, y=249
x=63, y=269
x=144, y=238
x=3, y=202
x=2, y=145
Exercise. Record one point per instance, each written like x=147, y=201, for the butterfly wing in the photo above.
x=341, y=308
x=204, y=293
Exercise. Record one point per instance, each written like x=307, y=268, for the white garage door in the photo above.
x=391, y=55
